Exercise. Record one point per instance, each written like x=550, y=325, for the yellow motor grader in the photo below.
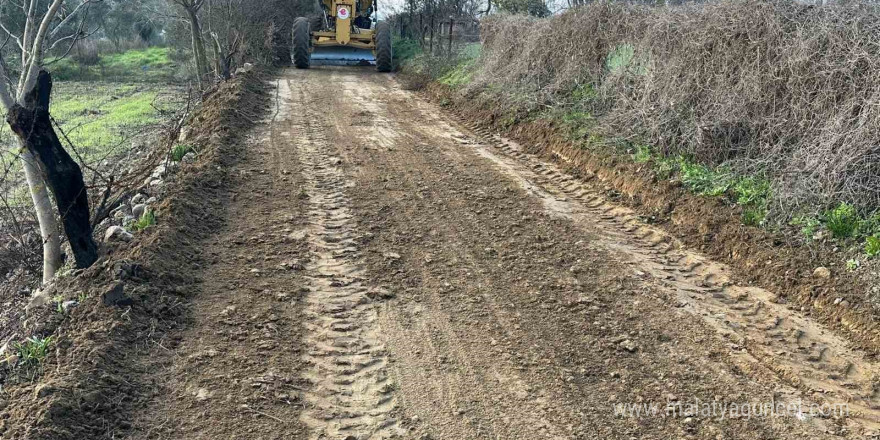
x=343, y=33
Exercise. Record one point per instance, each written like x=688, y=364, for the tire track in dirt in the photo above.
x=352, y=393
x=432, y=334
x=797, y=349
x=508, y=319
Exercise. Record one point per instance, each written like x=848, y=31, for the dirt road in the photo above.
x=388, y=272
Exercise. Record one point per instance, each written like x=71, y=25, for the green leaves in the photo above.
x=843, y=221
x=33, y=350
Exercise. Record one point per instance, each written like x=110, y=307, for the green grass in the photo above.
x=405, y=49
x=32, y=351
x=98, y=116
x=665, y=167
x=843, y=221
x=872, y=246
x=809, y=225
x=703, y=180
x=462, y=73
x=584, y=93
x=455, y=71
x=643, y=153
x=750, y=192
x=146, y=220
x=845, y=224
x=179, y=151
x=754, y=216
x=151, y=64
x=578, y=124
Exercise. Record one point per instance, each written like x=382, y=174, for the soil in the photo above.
x=94, y=378
x=779, y=260
x=384, y=269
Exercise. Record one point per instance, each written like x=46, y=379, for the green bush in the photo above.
x=872, y=246
x=704, y=180
x=843, y=221
x=146, y=220
x=180, y=150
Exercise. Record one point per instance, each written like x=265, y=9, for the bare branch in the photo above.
x=5, y=90
x=79, y=8
x=32, y=68
x=11, y=35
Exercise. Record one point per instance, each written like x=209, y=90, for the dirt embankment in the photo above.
x=133, y=296
x=768, y=259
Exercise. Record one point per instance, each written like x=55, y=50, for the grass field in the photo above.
x=100, y=117
x=153, y=65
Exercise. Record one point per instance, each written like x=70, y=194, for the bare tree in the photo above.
x=192, y=8
x=47, y=166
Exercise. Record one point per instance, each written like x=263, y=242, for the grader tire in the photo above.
x=384, y=51
x=302, y=40
x=317, y=23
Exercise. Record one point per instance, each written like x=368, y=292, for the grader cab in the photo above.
x=342, y=33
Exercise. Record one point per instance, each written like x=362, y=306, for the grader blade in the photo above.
x=342, y=56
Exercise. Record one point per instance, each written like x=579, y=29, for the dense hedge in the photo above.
x=781, y=89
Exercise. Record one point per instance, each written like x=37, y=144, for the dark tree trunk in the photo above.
x=32, y=124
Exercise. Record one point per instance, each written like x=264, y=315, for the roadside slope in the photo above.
x=93, y=381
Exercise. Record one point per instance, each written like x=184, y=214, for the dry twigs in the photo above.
x=783, y=89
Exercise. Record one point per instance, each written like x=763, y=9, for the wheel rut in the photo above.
x=798, y=350
x=351, y=394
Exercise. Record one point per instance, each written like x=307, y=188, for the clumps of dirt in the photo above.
x=130, y=299
x=774, y=260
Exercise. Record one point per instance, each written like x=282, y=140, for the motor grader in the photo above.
x=342, y=33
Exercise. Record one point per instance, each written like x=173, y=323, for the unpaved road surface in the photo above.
x=390, y=271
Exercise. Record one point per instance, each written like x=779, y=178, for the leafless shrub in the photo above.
x=779, y=88
x=107, y=46
x=85, y=53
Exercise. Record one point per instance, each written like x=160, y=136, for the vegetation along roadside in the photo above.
x=783, y=192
